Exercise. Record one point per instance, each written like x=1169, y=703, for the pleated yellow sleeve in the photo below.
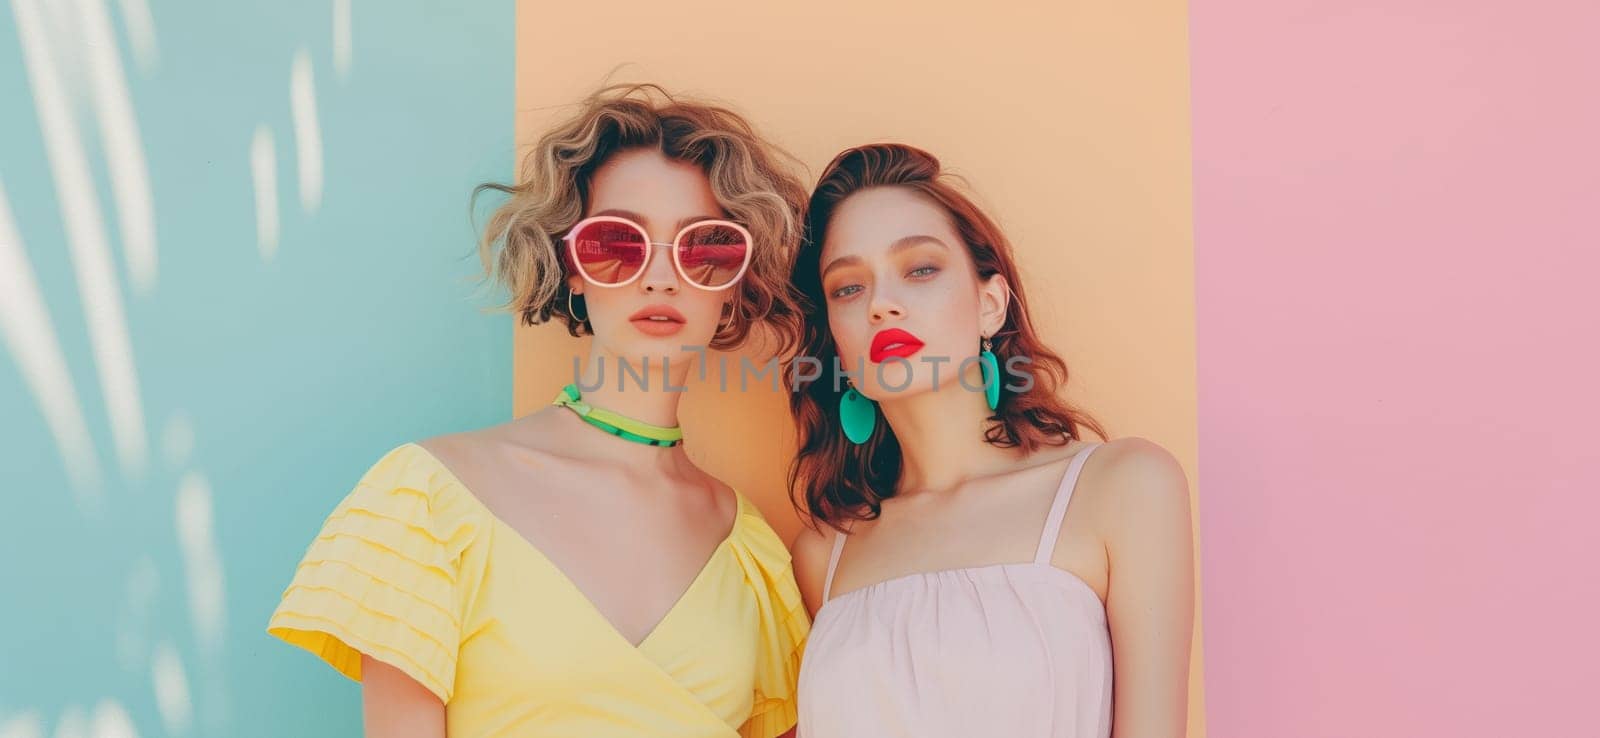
x=387, y=576
x=784, y=627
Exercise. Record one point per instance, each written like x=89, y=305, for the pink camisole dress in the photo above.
x=1020, y=650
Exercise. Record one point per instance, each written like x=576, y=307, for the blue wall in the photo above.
x=249, y=385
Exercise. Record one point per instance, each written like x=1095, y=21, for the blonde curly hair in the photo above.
x=520, y=246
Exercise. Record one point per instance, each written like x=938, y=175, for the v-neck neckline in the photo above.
x=572, y=585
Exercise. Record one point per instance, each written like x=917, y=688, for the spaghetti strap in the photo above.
x=833, y=563
x=1058, y=508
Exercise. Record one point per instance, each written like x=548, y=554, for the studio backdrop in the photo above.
x=1336, y=258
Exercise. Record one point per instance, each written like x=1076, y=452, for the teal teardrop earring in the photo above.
x=857, y=415
x=991, y=372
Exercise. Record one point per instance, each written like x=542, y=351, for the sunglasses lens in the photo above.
x=713, y=255
x=610, y=252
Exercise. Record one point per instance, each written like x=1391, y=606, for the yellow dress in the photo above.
x=413, y=570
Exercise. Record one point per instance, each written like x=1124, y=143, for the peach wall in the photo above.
x=1396, y=252
x=1071, y=125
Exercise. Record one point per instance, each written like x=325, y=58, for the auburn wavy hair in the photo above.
x=521, y=246
x=833, y=480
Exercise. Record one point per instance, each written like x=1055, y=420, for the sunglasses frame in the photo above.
x=649, y=248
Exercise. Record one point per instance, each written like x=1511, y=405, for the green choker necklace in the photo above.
x=615, y=424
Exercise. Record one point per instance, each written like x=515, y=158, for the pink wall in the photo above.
x=1397, y=228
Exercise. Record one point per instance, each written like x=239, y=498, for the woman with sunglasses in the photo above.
x=572, y=572
x=994, y=555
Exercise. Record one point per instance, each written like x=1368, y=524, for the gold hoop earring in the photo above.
x=574, y=313
x=724, y=321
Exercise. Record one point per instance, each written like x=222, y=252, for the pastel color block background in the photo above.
x=1354, y=299
x=185, y=394
x=1396, y=247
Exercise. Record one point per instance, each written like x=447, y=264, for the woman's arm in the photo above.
x=1150, y=595
x=810, y=552
x=393, y=705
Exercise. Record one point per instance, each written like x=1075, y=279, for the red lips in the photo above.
x=893, y=342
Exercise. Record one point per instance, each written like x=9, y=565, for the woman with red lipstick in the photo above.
x=572, y=572
x=995, y=555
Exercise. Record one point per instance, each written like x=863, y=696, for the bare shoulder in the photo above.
x=462, y=449
x=811, y=545
x=810, y=551
x=479, y=456
x=1135, y=482
x=455, y=450
x=719, y=489
x=535, y=434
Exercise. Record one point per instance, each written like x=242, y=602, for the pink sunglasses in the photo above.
x=610, y=251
